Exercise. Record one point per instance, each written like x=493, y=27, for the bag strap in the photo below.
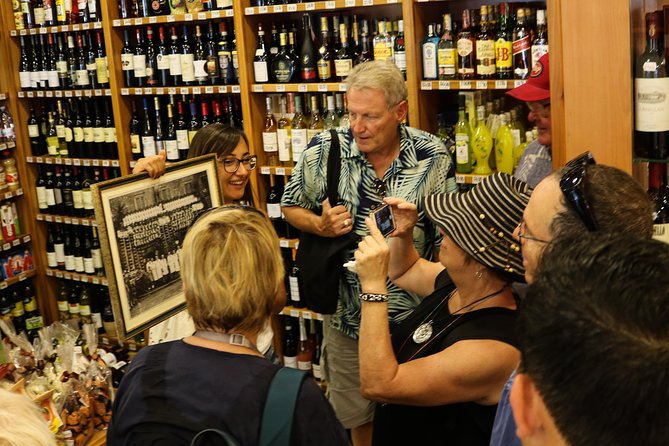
x=277, y=417
x=334, y=169
x=229, y=439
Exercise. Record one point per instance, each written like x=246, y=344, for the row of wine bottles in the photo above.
x=74, y=128
x=345, y=42
x=66, y=190
x=189, y=58
x=86, y=303
x=66, y=61
x=169, y=124
x=38, y=13
x=302, y=348
x=18, y=306
x=502, y=46
x=146, y=8
x=74, y=248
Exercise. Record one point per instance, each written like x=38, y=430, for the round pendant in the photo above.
x=422, y=333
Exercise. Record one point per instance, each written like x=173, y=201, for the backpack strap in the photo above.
x=227, y=438
x=277, y=417
x=334, y=169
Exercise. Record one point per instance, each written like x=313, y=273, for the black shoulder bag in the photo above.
x=321, y=259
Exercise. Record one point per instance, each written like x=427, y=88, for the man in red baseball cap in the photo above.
x=536, y=161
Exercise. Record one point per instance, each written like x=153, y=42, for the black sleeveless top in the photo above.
x=468, y=423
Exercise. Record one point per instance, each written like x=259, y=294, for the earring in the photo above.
x=479, y=274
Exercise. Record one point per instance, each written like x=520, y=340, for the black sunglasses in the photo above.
x=571, y=185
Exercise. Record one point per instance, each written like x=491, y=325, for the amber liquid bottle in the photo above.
x=305, y=349
x=466, y=49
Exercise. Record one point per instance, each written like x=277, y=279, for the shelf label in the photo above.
x=49, y=273
x=27, y=238
x=229, y=12
x=291, y=8
x=476, y=179
x=302, y=88
x=310, y=6
x=76, y=162
x=87, y=162
x=172, y=90
x=197, y=90
x=74, y=28
x=262, y=9
x=209, y=90
x=465, y=85
x=264, y=170
x=23, y=276
x=3, y=285
x=367, y=2
x=58, y=219
x=188, y=17
x=460, y=179
x=75, y=221
x=248, y=11
x=306, y=314
x=183, y=90
x=29, y=159
x=48, y=218
x=280, y=171
x=280, y=88
x=215, y=14
x=58, y=161
x=330, y=5
x=171, y=18
x=284, y=243
x=115, y=163
x=85, y=222
x=68, y=161
x=426, y=85
x=160, y=91
x=342, y=87
x=6, y=246
x=49, y=160
x=16, y=242
x=59, y=274
x=79, y=94
x=322, y=87
x=235, y=89
x=444, y=85
x=257, y=88
x=105, y=163
x=278, y=8
x=21, y=94
x=40, y=94
x=500, y=84
x=40, y=217
x=49, y=94
x=59, y=94
x=95, y=163
x=222, y=89
x=481, y=85
x=138, y=21
x=294, y=312
x=518, y=83
x=202, y=16
x=67, y=220
x=136, y=91
x=96, y=281
x=127, y=22
x=85, y=26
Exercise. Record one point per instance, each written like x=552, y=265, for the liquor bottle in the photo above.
x=147, y=133
x=283, y=132
x=269, y=135
x=485, y=48
x=503, y=44
x=175, y=58
x=199, y=58
x=330, y=120
x=293, y=56
x=211, y=54
x=504, y=146
x=159, y=131
x=139, y=60
x=283, y=68
x=294, y=285
x=463, y=150
x=151, y=62
x=127, y=57
x=273, y=44
x=522, y=57
x=298, y=132
x=68, y=198
x=171, y=146
x=399, y=49
x=383, y=43
x=135, y=130
x=344, y=58
x=447, y=56
x=225, y=55
x=540, y=42
x=324, y=57
x=261, y=58
x=63, y=304
x=162, y=59
x=183, y=143
x=365, y=53
x=651, y=134
x=315, y=120
x=289, y=345
x=429, y=54
x=274, y=207
x=187, y=59
x=305, y=349
x=308, y=69
x=466, y=48
x=481, y=143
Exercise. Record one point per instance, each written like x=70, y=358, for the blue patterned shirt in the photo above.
x=423, y=167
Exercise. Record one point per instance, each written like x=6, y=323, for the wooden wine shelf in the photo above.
x=68, y=275
x=55, y=29
x=64, y=93
x=25, y=238
x=316, y=6
x=297, y=312
x=72, y=161
x=68, y=220
x=204, y=89
x=272, y=170
x=16, y=279
x=10, y=194
x=472, y=85
x=468, y=178
x=314, y=87
x=176, y=18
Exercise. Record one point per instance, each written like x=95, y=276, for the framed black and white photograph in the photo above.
x=142, y=223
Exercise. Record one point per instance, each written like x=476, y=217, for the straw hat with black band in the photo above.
x=482, y=221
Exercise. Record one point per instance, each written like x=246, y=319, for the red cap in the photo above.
x=537, y=87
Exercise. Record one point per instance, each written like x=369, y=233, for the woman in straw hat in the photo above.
x=452, y=355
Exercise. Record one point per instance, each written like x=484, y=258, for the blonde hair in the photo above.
x=232, y=269
x=379, y=75
x=21, y=423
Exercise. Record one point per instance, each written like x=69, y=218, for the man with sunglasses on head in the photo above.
x=379, y=156
x=581, y=197
x=536, y=161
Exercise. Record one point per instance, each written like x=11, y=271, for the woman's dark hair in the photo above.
x=221, y=140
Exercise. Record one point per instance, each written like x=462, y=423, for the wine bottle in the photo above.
x=59, y=247
x=284, y=68
x=466, y=48
x=18, y=313
x=344, y=58
x=83, y=79
x=305, y=350
x=77, y=193
x=330, y=120
x=69, y=248
x=68, y=198
x=78, y=251
x=50, y=249
x=101, y=69
x=38, y=11
x=273, y=45
x=187, y=59
x=269, y=135
x=325, y=56
x=463, y=155
x=194, y=124
x=447, y=55
x=95, y=253
x=97, y=151
x=211, y=54
x=127, y=58
x=62, y=149
x=308, y=69
x=109, y=151
x=87, y=148
x=36, y=138
x=175, y=58
x=73, y=303
x=274, y=207
x=315, y=120
x=50, y=62
x=651, y=85
x=91, y=66
x=295, y=286
x=51, y=136
x=365, y=53
x=40, y=190
x=58, y=192
x=139, y=59
x=205, y=120
x=147, y=134
x=183, y=143
x=283, y=132
x=289, y=345
x=62, y=299
x=298, y=133
x=261, y=58
x=135, y=128
x=485, y=48
x=162, y=59
x=316, y=360
x=151, y=61
x=159, y=132
x=225, y=55
x=522, y=57
x=87, y=195
x=199, y=58
x=62, y=68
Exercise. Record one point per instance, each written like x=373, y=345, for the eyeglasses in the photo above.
x=523, y=235
x=231, y=164
x=538, y=108
x=571, y=186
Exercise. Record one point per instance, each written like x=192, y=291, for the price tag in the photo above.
x=3, y=285
x=97, y=25
x=85, y=222
x=280, y=88
x=248, y=11
x=75, y=221
x=257, y=88
x=342, y=87
x=476, y=179
x=88, y=25
x=518, y=83
x=284, y=243
x=280, y=171
x=222, y=89
x=291, y=8
x=95, y=163
x=148, y=90
x=98, y=92
x=136, y=91
x=197, y=90
x=302, y=88
x=77, y=278
x=76, y=162
x=306, y=314
x=74, y=28
x=132, y=347
x=8, y=195
x=319, y=316
x=6, y=246
x=138, y=21
x=48, y=160
x=209, y=90
x=265, y=170
x=87, y=162
x=68, y=161
x=67, y=276
x=40, y=94
x=58, y=219
x=59, y=274
x=153, y=19
x=465, y=85
x=49, y=94
x=235, y=89
x=16, y=242
x=310, y=6
x=23, y=276
x=459, y=178
x=444, y=85
x=171, y=18
x=105, y=163
x=188, y=17
x=104, y=282
x=171, y=91
x=104, y=340
x=115, y=163
x=127, y=22
x=481, y=85
x=322, y=87
x=27, y=238
x=295, y=313
x=278, y=8
x=96, y=281
x=49, y=273
x=500, y=84
x=29, y=159
x=183, y=90
x=202, y=16
x=160, y=91
x=67, y=220
x=12, y=32
x=40, y=217
x=367, y=2
x=262, y=9
x=48, y=218
x=426, y=85
x=59, y=94
x=79, y=94
x=229, y=12
x=58, y=161
x=215, y=14
x=330, y=5
x=21, y=94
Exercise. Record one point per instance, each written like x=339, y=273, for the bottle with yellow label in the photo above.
x=504, y=146
x=481, y=143
x=447, y=54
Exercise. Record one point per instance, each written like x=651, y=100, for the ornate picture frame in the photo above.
x=142, y=223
